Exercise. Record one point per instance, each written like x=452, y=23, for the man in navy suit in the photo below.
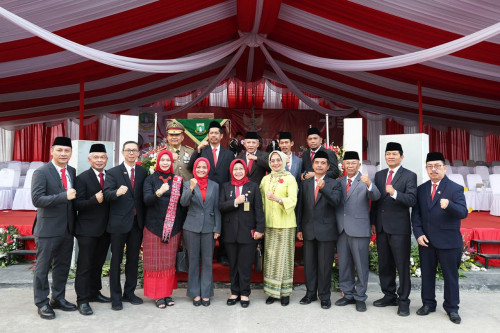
x=257, y=161
x=220, y=159
x=436, y=225
x=293, y=163
x=90, y=230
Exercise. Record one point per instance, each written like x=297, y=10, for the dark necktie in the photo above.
x=101, y=179
x=349, y=182
x=434, y=187
x=132, y=177
x=64, y=179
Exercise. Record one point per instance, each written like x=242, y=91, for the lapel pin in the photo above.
x=439, y=192
x=124, y=172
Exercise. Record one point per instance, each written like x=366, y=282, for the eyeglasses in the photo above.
x=131, y=151
x=436, y=166
x=351, y=163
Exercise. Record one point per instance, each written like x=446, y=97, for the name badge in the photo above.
x=246, y=206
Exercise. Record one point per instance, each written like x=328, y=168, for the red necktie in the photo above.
x=349, y=182
x=312, y=155
x=214, y=151
x=64, y=179
x=101, y=179
x=389, y=179
x=132, y=177
x=434, y=187
x=316, y=190
x=250, y=163
x=237, y=190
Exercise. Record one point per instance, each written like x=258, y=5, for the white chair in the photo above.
x=470, y=196
x=472, y=180
x=495, y=188
x=449, y=170
x=496, y=169
x=480, y=163
x=7, y=177
x=470, y=163
x=36, y=164
x=24, y=168
x=379, y=167
x=22, y=199
x=367, y=162
x=458, y=163
x=485, y=174
x=484, y=196
x=495, y=163
x=464, y=171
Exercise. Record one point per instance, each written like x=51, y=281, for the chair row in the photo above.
x=11, y=196
x=480, y=198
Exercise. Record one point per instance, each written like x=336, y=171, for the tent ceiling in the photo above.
x=39, y=80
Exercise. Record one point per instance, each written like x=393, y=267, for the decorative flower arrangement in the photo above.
x=339, y=151
x=148, y=159
x=9, y=241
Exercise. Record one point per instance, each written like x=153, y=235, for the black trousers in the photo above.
x=241, y=257
x=394, y=253
x=52, y=252
x=133, y=241
x=92, y=252
x=318, y=261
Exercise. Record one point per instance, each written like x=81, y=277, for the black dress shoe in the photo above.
x=245, y=304
x=285, y=300
x=117, y=306
x=62, y=304
x=46, y=312
x=224, y=261
x=403, y=310
x=454, y=317
x=344, y=301
x=132, y=299
x=232, y=301
x=100, y=298
x=270, y=300
x=197, y=303
x=380, y=303
x=425, y=310
x=360, y=306
x=326, y=304
x=85, y=309
x=308, y=299
x=205, y=303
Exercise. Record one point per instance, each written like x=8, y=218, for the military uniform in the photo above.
x=184, y=153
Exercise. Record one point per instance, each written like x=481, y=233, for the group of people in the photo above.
x=204, y=195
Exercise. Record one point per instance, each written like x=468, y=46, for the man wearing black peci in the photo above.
x=257, y=161
x=314, y=141
x=90, y=230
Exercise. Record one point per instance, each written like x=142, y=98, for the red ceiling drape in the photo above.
x=239, y=94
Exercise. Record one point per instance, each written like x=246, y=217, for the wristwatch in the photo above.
x=280, y=201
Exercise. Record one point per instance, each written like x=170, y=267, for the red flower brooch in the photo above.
x=280, y=180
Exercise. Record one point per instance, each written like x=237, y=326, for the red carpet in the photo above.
x=480, y=225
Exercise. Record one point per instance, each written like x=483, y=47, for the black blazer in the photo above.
x=259, y=167
x=317, y=220
x=121, y=209
x=55, y=215
x=333, y=172
x=219, y=174
x=157, y=207
x=393, y=216
x=237, y=224
x=92, y=218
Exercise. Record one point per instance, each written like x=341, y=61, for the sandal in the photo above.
x=169, y=301
x=160, y=303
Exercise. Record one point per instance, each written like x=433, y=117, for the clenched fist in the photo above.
x=240, y=199
x=320, y=184
x=366, y=179
x=444, y=203
x=202, y=145
x=99, y=196
x=71, y=194
x=164, y=188
x=192, y=184
x=121, y=190
x=389, y=189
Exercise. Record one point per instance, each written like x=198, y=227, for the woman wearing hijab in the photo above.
x=201, y=229
x=240, y=203
x=279, y=195
x=163, y=223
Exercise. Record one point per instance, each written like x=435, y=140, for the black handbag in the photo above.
x=181, y=260
x=259, y=258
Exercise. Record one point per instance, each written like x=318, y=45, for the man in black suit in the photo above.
x=436, y=225
x=220, y=159
x=314, y=141
x=293, y=163
x=52, y=193
x=390, y=220
x=257, y=161
x=90, y=230
x=123, y=191
x=317, y=227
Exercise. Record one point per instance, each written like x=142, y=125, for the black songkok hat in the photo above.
x=320, y=154
x=391, y=146
x=285, y=135
x=252, y=135
x=435, y=156
x=214, y=124
x=313, y=130
x=62, y=141
x=351, y=155
x=97, y=148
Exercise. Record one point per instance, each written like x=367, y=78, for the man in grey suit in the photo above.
x=257, y=161
x=52, y=193
x=353, y=222
x=294, y=163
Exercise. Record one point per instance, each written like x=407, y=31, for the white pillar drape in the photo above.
x=477, y=146
x=6, y=148
x=374, y=129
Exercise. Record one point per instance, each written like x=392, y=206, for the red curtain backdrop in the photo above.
x=459, y=144
x=239, y=94
x=92, y=131
x=289, y=101
x=437, y=141
x=392, y=127
x=33, y=142
x=492, y=148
